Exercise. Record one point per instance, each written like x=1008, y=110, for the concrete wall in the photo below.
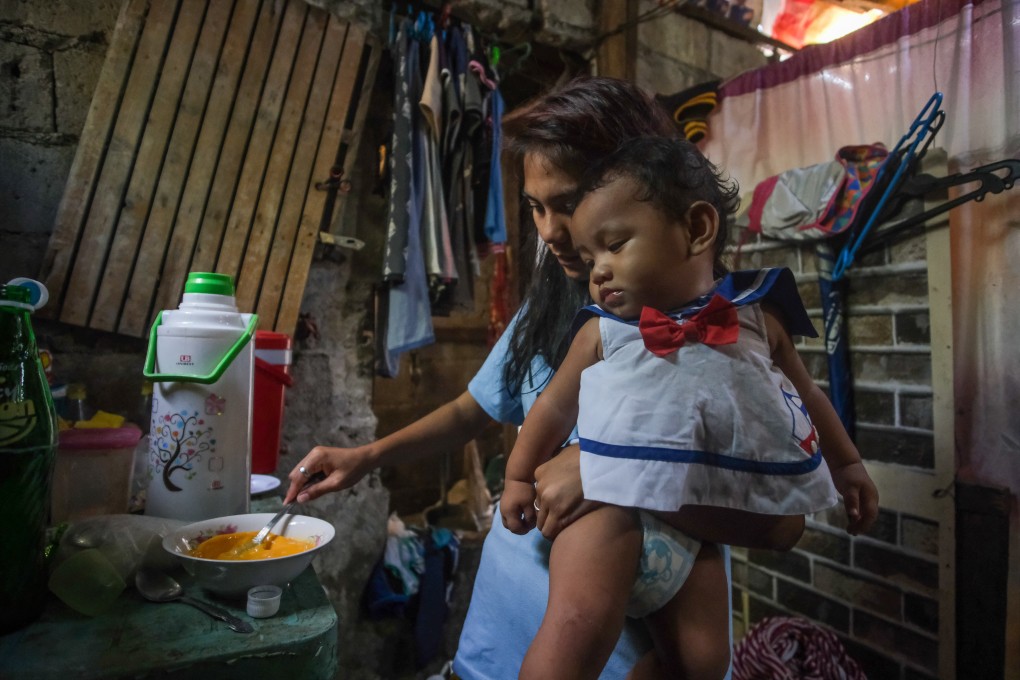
x=50, y=56
x=675, y=53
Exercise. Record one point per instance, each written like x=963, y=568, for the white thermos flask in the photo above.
x=201, y=361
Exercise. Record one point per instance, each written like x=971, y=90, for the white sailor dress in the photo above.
x=706, y=424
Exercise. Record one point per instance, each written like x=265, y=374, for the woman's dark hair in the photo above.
x=672, y=175
x=572, y=127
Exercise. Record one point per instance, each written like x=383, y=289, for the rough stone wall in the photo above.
x=50, y=56
x=675, y=53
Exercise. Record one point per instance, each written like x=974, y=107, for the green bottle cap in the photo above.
x=209, y=283
x=38, y=296
x=15, y=294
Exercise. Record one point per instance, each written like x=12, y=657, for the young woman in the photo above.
x=552, y=140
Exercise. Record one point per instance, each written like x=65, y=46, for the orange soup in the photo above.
x=219, y=547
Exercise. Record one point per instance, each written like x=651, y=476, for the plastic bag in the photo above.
x=127, y=541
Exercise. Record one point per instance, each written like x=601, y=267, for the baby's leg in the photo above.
x=691, y=632
x=592, y=568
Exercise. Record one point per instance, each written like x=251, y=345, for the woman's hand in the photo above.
x=558, y=492
x=860, y=496
x=343, y=468
x=517, y=506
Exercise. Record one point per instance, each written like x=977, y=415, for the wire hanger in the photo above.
x=514, y=57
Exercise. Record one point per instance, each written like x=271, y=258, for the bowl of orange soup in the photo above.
x=207, y=550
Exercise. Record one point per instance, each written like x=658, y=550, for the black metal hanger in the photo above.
x=922, y=185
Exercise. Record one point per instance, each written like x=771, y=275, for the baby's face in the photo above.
x=635, y=253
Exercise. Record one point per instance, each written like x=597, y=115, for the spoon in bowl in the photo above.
x=156, y=586
x=254, y=542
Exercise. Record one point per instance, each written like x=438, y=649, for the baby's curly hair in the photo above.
x=671, y=174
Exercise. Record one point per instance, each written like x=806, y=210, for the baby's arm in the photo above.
x=548, y=424
x=848, y=474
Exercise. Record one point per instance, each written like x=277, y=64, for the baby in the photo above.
x=687, y=390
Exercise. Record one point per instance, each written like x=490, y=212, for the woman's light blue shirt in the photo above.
x=512, y=584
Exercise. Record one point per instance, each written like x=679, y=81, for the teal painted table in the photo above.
x=140, y=639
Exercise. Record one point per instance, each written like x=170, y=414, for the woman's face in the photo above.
x=549, y=192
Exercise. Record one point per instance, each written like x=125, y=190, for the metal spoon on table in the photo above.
x=156, y=586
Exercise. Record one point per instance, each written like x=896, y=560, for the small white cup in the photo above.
x=264, y=601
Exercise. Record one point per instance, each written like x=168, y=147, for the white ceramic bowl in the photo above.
x=233, y=578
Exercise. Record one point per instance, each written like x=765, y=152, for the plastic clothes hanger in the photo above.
x=518, y=54
x=479, y=70
x=929, y=120
x=494, y=56
x=922, y=185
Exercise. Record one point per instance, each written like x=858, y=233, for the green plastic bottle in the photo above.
x=28, y=448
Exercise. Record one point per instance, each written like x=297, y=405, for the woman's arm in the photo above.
x=547, y=425
x=448, y=428
x=860, y=496
x=561, y=502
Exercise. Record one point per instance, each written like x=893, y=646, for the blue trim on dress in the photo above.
x=701, y=458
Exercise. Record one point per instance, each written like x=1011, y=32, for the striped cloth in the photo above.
x=783, y=648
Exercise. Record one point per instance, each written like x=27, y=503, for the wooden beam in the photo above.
x=616, y=53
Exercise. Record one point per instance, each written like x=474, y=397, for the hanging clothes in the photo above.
x=401, y=159
x=451, y=67
x=445, y=187
x=495, y=218
x=408, y=312
x=439, y=264
x=473, y=139
x=482, y=143
x=453, y=73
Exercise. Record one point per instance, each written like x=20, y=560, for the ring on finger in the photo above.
x=303, y=471
x=535, y=503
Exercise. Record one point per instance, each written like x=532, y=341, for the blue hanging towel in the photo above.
x=495, y=218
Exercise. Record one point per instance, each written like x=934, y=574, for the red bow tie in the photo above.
x=715, y=324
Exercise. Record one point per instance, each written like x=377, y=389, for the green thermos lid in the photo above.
x=209, y=283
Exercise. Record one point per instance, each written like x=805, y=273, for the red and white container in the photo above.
x=273, y=358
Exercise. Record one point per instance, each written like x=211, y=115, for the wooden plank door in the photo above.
x=211, y=124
